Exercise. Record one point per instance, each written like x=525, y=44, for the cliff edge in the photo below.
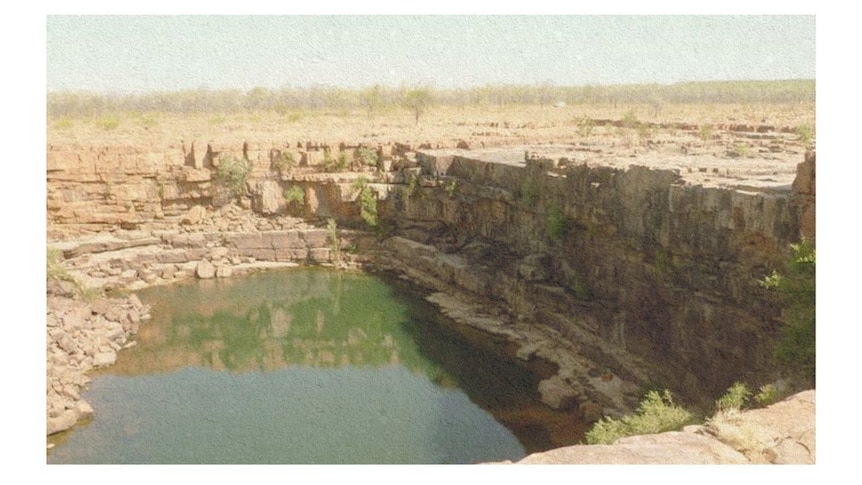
x=782, y=433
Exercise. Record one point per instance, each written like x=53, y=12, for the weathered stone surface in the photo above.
x=673, y=448
x=205, y=270
x=557, y=394
x=104, y=359
x=195, y=215
x=782, y=434
x=269, y=198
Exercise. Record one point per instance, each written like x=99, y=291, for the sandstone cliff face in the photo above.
x=647, y=276
x=650, y=265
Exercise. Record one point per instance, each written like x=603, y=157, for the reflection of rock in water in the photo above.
x=318, y=321
x=280, y=321
x=355, y=336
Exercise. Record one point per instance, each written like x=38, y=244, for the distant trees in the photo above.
x=419, y=99
x=372, y=99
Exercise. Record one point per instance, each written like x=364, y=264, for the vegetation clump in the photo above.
x=558, y=224
x=367, y=201
x=233, y=174
x=295, y=195
x=656, y=413
x=797, y=290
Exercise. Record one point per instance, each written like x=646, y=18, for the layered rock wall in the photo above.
x=664, y=270
x=624, y=261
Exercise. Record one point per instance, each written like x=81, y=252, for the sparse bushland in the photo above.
x=292, y=103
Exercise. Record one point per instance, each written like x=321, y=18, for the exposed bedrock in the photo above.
x=625, y=276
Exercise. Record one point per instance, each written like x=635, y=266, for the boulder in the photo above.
x=104, y=359
x=195, y=215
x=269, y=198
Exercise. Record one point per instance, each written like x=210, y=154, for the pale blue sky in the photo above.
x=146, y=53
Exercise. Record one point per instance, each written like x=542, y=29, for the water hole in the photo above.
x=311, y=366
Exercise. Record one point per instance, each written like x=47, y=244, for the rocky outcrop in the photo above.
x=783, y=433
x=83, y=335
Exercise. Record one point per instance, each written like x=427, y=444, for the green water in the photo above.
x=307, y=366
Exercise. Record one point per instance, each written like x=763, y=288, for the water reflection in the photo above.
x=270, y=322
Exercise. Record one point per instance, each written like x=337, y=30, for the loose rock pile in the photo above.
x=83, y=335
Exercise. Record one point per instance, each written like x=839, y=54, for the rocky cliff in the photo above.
x=623, y=270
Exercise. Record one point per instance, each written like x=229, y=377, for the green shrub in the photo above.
x=735, y=398
x=797, y=289
x=557, y=224
x=656, y=413
x=705, y=132
x=767, y=394
x=295, y=195
x=233, y=174
x=529, y=193
x=342, y=161
x=630, y=120
x=55, y=268
x=585, y=127
x=412, y=185
x=367, y=201
x=56, y=271
x=451, y=187
x=368, y=156
x=806, y=134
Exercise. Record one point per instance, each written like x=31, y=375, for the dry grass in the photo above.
x=515, y=124
x=731, y=428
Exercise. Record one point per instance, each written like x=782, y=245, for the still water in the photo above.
x=310, y=366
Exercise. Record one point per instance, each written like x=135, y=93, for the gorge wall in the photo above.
x=649, y=278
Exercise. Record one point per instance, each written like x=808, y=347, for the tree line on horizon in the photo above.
x=416, y=98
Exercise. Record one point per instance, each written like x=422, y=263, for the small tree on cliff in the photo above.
x=796, y=285
x=417, y=100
